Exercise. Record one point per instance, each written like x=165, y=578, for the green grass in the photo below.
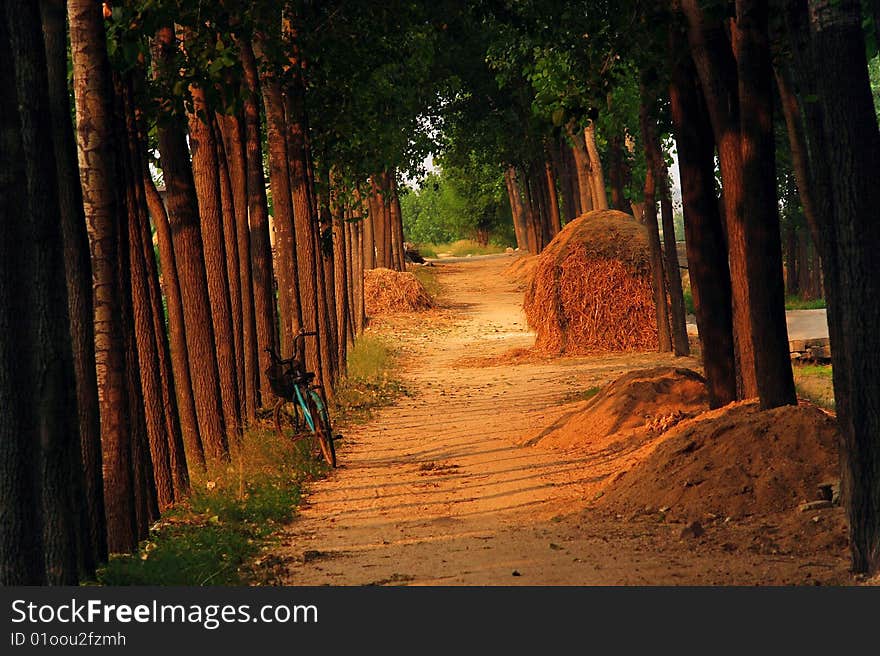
x=427, y=250
x=233, y=513
x=581, y=395
x=798, y=303
x=689, y=302
x=814, y=383
x=428, y=277
x=369, y=383
x=228, y=517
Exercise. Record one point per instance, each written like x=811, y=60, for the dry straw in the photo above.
x=591, y=288
x=388, y=292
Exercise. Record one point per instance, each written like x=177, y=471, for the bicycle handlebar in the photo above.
x=299, y=336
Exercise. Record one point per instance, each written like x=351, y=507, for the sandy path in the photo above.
x=438, y=490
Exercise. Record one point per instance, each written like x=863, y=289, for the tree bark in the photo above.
x=189, y=425
x=554, y=216
x=704, y=233
x=104, y=212
x=183, y=219
x=44, y=408
x=760, y=211
x=716, y=67
x=234, y=144
x=650, y=220
x=206, y=168
x=79, y=288
x=597, y=177
x=851, y=239
x=677, y=314
x=582, y=164
x=233, y=266
x=516, y=209
x=258, y=213
x=21, y=540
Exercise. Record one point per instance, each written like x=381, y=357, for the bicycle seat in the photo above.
x=305, y=379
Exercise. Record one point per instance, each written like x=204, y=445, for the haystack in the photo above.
x=387, y=292
x=591, y=289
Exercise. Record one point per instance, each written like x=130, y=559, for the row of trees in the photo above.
x=110, y=408
x=570, y=85
x=107, y=403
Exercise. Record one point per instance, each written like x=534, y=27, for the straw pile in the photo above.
x=387, y=292
x=591, y=289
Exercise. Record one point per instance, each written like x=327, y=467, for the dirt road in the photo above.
x=439, y=489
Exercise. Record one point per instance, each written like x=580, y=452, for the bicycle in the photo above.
x=291, y=383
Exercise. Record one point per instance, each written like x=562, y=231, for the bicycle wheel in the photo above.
x=286, y=417
x=322, y=427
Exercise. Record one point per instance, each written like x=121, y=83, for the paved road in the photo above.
x=806, y=325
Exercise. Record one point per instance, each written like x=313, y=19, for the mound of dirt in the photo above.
x=521, y=271
x=388, y=292
x=733, y=462
x=591, y=288
x=634, y=409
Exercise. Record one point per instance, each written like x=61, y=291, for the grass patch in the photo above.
x=369, y=383
x=428, y=277
x=427, y=250
x=230, y=514
x=798, y=303
x=814, y=383
x=581, y=395
x=689, y=302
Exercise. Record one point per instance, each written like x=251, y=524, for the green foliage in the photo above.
x=467, y=202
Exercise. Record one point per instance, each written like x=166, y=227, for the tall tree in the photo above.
x=183, y=218
x=104, y=210
x=79, y=284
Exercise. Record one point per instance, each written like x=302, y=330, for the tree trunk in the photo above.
x=205, y=167
x=368, y=237
x=233, y=266
x=760, y=211
x=189, y=425
x=582, y=164
x=183, y=219
x=21, y=540
x=258, y=213
x=851, y=239
x=150, y=382
x=597, y=177
x=678, y=318
x=555, y=217
x=79, y=288
x=234, y=144
x=650, y=220
x=516, y=209
x=104, y=212
x=704, y=233
x=43, y=469
x=716, y=67
x=292, y=306
x=340, y=277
